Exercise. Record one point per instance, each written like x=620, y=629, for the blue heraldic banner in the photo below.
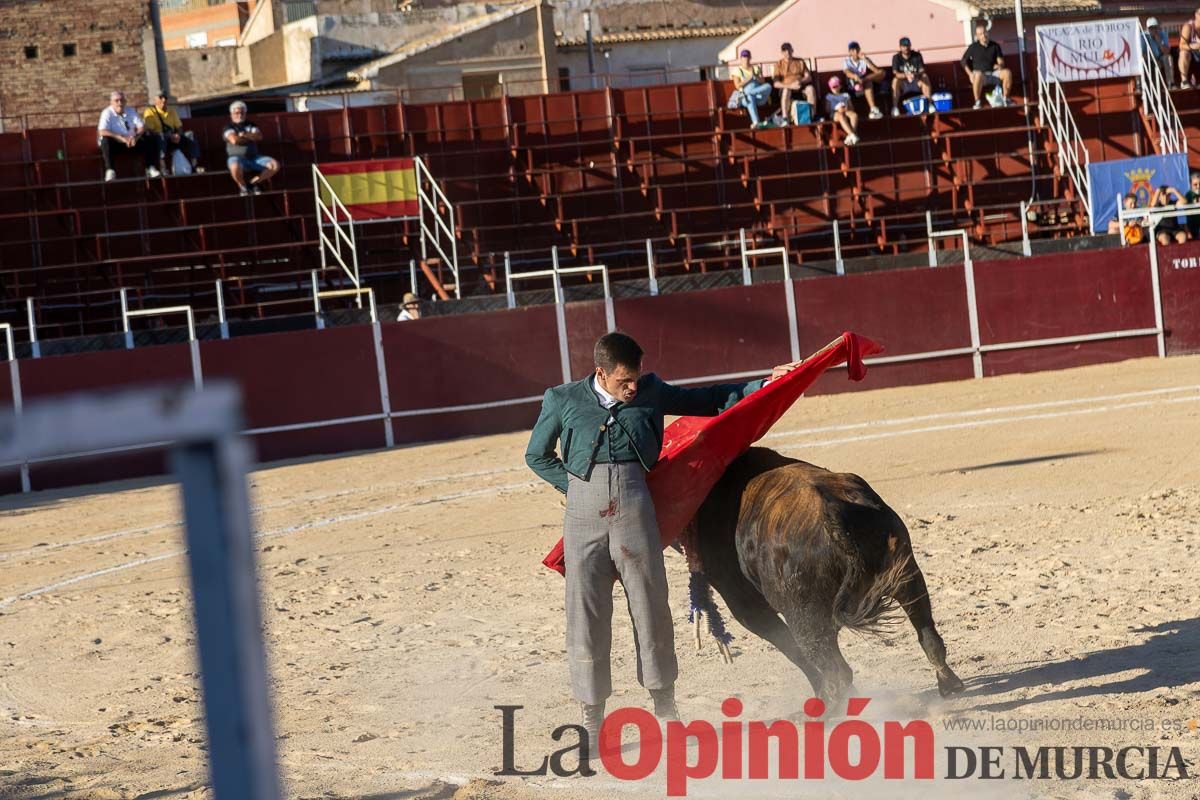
x=1138, y=176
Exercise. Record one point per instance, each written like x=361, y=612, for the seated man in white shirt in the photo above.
x=121, y=130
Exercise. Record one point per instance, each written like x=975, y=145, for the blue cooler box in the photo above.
x=801, y=112
x=943, y=101
x=915, y=106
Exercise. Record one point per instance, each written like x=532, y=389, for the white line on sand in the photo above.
x=320, y=523
x=993, y=421
x=976, y=412
x=306, y=498
x=303, y=526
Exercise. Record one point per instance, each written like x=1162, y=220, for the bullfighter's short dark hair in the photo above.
x=617, y=349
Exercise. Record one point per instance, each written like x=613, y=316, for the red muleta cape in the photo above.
x=696, y=450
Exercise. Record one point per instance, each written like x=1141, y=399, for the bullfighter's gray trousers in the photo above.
x=610, y=523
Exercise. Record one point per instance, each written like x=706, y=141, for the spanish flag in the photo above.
x=373, y=189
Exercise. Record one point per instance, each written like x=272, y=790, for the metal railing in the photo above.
x=1072, y=153
x=789, y=292
x=294, y=10
x=560, y=315
x=446, y=249
x=357, y=293
x=186, y=310
x=1158, y=105
x=330, y=212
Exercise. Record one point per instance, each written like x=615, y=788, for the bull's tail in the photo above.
x=872, y=608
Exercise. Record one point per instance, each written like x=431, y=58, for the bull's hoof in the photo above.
x=949, y=684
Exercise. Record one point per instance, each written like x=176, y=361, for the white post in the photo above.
x=560, y=319
x=838, y=263
x=317, y=302
x=610, y=318
x=35, y=347
x=1026, y=248
x=385, y=400
x=318, y=205
x=508, y=284
x=1120, y=222
x=789, y=294
x=972, y=311
x=412, y=276
x=929, y=238
x=1158, y=312
x=14, y=379
x=125, y=320
x=650, y=267
x=354, y=258
x=224, y=323
x=745, y=259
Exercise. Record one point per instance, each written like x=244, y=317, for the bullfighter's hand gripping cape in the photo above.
x=696, y=450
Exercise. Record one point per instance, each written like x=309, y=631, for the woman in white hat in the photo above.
x=410, y=308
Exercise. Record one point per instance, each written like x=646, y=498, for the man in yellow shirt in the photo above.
x=166, y=132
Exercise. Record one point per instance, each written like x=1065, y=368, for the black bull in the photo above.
x=779, y=536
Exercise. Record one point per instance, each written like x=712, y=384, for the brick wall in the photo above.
x=63, y=84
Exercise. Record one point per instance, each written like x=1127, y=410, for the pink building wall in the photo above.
x=821, y=29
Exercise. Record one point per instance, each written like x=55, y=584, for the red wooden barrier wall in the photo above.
x=473, y=358
x=1179, y=273
x=303, y=376
x=312, y=376
x=110, y=369
x=1064, y=295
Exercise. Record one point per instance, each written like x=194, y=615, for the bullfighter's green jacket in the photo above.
x=573, y=418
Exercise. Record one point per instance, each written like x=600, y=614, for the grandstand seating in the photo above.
x=596, y=173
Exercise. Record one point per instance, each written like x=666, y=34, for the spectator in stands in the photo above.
x=1193, y=197
x=1134, y=228
x=1168, y=228
x=841, y=110
x=861, y=75
x=121, y=130
x=166, y=132
x=749, y=87
x=984, y=63
x=909, y=76
x=1189, y=46
x=410, y=308
x=1160, y=48
x=241, y=151
x=793, y=75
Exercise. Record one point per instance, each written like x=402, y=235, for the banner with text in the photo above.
x=1088, y=51
x=1136, y=176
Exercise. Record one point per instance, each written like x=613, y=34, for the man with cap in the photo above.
x=909, y=76
x=410, y=308
x=608, y=428
x=748, y=79
x=166, y=129
x=1160, y=48
x=861, y=75
x=793, y=75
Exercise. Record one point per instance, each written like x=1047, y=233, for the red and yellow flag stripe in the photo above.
x=373, y=189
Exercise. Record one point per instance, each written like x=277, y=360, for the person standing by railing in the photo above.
x=1159, y=47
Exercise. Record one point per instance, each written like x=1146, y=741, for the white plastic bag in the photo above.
x=180, y=164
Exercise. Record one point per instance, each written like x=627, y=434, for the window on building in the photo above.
x=31, y=51
x=69, y=50
x=106, y=48
x=482, y=86
x=564, y=79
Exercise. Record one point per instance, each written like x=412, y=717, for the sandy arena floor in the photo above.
x=1056, y=517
